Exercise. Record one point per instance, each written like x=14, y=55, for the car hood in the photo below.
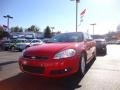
x=48, y=49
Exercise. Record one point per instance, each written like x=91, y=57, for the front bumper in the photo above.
x=52, y=68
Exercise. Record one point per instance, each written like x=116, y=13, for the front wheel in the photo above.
x=82, y=65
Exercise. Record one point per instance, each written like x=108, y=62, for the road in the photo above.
x=103, y=74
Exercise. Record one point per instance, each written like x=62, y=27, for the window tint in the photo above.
x=21, y=41
x=67, y=37
x=34, y=41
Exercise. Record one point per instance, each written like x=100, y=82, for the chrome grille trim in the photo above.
x=36, y=57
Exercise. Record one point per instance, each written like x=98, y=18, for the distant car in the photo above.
x=45, y=40
x=34, y=42
x=1, y=43
x=113, y=42
x=7, y=44
x=118, y=42
x=19, y=44
x=64, y=55
x=101, y=46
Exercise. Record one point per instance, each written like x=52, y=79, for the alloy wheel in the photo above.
x=83, y=65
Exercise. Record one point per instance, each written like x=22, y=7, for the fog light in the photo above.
x=66, y=70
x=24, y=62
x=61, y=71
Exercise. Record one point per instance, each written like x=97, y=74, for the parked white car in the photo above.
x=35, y=42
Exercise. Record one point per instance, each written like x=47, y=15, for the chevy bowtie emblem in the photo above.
x=33, y=57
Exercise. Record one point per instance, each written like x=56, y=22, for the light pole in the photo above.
x=8, y=17
x=76, y=11
x=93, y=27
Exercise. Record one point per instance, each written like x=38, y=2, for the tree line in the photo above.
x=3, y=33
x=32, y=28
x=47, y=31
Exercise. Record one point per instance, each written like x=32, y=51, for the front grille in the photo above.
x=36, y=57
x=33, y=69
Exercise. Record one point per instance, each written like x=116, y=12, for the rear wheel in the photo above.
x=12, y=48
x=6, y=49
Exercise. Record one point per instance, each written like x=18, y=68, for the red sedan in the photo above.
x=64, y=55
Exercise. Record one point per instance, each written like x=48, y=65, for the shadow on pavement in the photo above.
x=24, y=82
x=9, y=62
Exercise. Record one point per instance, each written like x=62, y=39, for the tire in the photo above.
x=105, y=51
x=5, y=49
x=20, y=50
x=12, y=48
x=82, y=65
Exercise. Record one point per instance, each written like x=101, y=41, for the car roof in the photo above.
x=35, y=39
x=21, y=39
x=72, y=32
x=99, y=39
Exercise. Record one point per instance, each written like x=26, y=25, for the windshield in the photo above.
x=22, y=41
x=7, y=42
x=67, y=37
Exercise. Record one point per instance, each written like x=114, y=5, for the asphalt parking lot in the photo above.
x=103, y=74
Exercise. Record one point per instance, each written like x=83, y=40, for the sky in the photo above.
x=61, y=14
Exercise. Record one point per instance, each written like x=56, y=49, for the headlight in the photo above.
x=65, y=54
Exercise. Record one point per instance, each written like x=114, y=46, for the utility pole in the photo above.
x=93, y=27
x=52, y=28
x=77, y=1
x=8, y=17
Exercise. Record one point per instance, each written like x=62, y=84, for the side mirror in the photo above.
x=89, y=39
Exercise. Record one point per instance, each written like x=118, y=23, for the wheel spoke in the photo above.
x=83, y=65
